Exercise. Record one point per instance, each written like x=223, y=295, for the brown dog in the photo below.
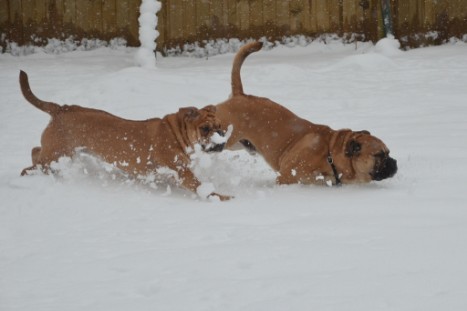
x=136, y=147
x=300, y=151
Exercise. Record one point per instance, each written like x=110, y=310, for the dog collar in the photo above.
x=334, y=170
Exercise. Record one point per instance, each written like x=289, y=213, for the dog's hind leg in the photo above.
x=35, y=155
x=37, y=162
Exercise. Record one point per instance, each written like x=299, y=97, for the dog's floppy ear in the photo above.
x=191, y=113
x=363, y=132
x=353, y=148
x=210, y=108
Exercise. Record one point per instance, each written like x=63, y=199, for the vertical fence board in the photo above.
x=27, y=10
x=232, y=14
x=59, y=5
x=82, y=16
x=161, y=26
x=269, y=16
x=28, y=13
x=268, y=11
x=97, y=17
x=243, y=9
x=299, y=16
x=421, y=12
x=256, y=14
x=353, y=14
x=16, y=20
x=203, y=12
x=322, y=18
x=429, y=14
x=413, y=12
x=373, y=28
x=69, y=12
x=217, y=24
x=294, y=12
x=133, y=24
x=121, y=12
x=313, y=16
x=4, y=12
x=169, y=20
x=109, y=17
x=403, y=9
x=40, y=12
x=176, y=18
x=332, y=11
x=189, y=18
x=305, y=17
x=283, y=14
x=225, y=16
x=53, y=20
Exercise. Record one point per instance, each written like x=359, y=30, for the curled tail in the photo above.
x=50, y=108
x=247, y=49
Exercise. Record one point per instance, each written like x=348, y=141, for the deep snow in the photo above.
x=89, y=240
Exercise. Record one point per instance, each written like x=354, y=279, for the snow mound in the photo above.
x=388, y=46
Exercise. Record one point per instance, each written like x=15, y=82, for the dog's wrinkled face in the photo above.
x=369, y=157
x=203, y=128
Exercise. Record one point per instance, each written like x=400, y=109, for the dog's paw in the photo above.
x=220, y=197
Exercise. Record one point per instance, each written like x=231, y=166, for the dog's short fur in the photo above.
x=300, y=151
x=136, y=147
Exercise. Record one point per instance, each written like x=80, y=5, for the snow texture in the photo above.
x=145, y=56
x=89, y=238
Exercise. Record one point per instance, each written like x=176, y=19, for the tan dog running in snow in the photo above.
x=135, y=147
x=300, y=151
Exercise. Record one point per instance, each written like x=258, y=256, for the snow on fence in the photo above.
x=182, y=21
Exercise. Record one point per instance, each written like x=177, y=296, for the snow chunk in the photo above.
x=319, y=177
x=218, y=139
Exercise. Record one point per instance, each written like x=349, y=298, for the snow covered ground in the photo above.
x=88, y=241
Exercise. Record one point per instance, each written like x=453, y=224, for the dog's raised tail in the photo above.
x=48, y=107
x=247, y=49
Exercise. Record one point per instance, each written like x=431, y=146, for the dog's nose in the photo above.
x=391, y=165
x=216, y=148
x=386, y=170
x=221, y=132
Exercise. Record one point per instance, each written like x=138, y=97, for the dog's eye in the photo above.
x=205, y=129
x=382, y=155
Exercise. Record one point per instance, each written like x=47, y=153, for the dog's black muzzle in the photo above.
x=385, y=169
x=216, y=147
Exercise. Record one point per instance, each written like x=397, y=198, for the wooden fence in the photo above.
x=180, y=21
x=31, y=21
